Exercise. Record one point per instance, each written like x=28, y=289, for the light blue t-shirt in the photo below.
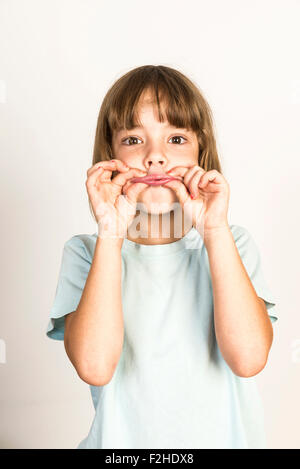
x=171, y=387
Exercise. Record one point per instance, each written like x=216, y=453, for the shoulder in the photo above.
x=82, y=245
x=239, y=232
x=244, y=240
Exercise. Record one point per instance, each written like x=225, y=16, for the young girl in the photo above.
x=164, y=311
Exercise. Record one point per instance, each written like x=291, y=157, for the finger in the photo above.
x=178, y=171
x=93, y=177
x=106, y=169
x=212, y=176
x=193, y=183
x=186, y=173
x=93, y=168
x=190, y=174
x=128, y=183
x=132, y=190
x=122, y=178
x=179, y=189
x=113, y=166
x=110, y=165
x=119, y=165
x=101, y=172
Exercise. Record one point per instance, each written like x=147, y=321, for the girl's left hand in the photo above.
x=208, y=197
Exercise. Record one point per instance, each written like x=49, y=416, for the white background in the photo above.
x=58, y=59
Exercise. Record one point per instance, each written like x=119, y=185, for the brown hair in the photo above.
x=184, y=104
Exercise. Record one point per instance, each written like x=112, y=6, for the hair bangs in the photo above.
x=174, y=102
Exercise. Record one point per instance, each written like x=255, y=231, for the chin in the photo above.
x=157, y=200
x=155, y=210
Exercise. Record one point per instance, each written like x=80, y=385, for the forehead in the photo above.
x=147, y=96
x=147, y=108
x=146, y=112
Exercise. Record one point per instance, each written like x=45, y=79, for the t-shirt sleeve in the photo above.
x=74, y=269
x=251, y=258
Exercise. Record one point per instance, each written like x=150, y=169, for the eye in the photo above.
x=178, y=136
x=134, y=138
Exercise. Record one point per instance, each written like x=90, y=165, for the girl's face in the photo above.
x=156, y=147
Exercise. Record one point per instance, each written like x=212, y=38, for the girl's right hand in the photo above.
x=113, y=211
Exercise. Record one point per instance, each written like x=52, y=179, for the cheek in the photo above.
x=130, y=160
x=186, y=158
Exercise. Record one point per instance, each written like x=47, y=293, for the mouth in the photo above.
x=155, y=179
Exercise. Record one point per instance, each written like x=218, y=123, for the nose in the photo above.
x=156, y=164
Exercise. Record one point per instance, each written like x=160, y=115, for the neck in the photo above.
x=165, y=228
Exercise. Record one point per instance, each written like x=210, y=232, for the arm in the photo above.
x=94, y=332
x=244, y=331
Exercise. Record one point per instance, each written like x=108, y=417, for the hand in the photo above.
x=113, y=210
x=207, y=201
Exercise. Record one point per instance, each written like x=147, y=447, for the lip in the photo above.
x=155, y=179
